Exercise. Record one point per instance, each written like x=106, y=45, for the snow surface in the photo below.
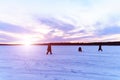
x=66, y=63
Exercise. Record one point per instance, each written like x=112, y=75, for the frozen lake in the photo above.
x=66, y=63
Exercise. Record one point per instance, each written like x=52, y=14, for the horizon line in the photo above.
x=109, y=43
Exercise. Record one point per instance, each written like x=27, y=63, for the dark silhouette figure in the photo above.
x=100, y=48
x=80, y=49
x=49, y=50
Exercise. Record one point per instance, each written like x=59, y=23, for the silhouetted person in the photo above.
x=49, y=50
x=80, y=49
x=100, y=48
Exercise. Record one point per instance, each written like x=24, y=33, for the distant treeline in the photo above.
x=71, y=44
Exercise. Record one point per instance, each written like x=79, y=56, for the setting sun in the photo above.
x=27, y=41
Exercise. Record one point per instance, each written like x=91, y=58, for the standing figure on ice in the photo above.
x=49, y=50
x=80, y=49
x=100, y=48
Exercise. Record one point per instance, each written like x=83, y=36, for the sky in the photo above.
x=36, y=21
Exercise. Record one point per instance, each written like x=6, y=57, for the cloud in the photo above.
x=62, y=30
x=13, y=28
x=56, y=24
x=110, y=30
x=109, y=37
x=64, y=20
x=20, y=37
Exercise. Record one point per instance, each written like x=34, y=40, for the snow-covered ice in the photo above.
x=66, y=63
